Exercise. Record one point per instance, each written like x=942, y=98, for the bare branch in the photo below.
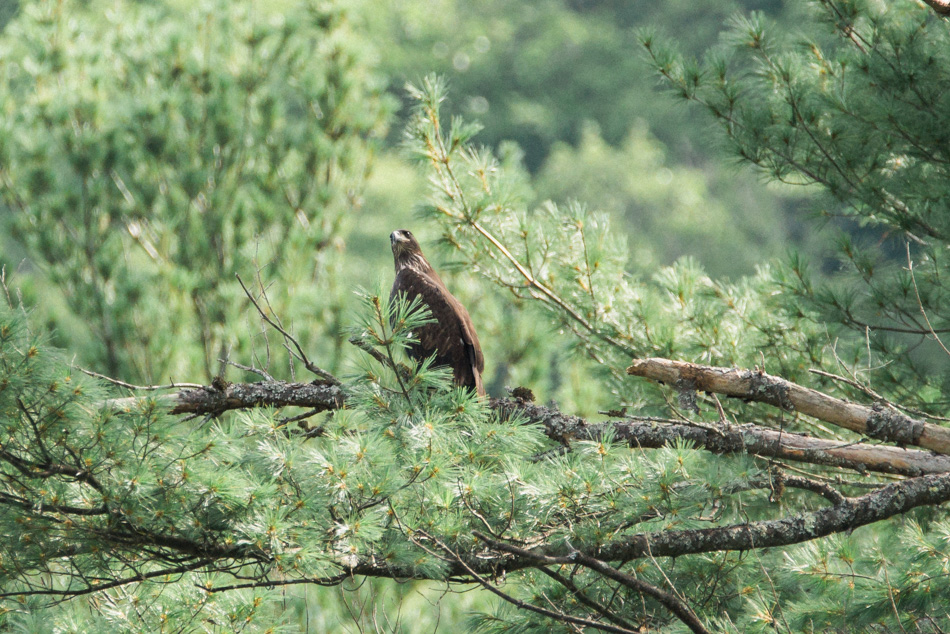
x=523, y=605
x=179, y=570
x=913, y=278
x=853, y=382
x=232, y=396
x=752, y=439
x=584, y=599
x=777, y=481
x=272, y=583
x=289, y=339
x=247, y=368
x=875, y=421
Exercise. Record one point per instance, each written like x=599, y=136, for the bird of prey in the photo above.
x=451, y=337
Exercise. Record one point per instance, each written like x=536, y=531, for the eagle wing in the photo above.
x=451, y=336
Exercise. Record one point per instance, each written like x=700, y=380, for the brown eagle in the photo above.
x=451, y=336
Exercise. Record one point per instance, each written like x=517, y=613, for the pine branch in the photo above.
x=875, y=422
x=563, y=617
x=848, y=514
x=582, y=597
x=671, y=602
x=889, y=501
x=216, y=399
x=77, y=592
x=749, y=438
x=563, y=428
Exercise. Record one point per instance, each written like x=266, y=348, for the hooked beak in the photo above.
x=398, y=239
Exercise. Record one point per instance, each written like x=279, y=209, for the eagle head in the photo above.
x=405, y=247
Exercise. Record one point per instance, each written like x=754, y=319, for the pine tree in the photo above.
x=739, y=491
x=149, y=156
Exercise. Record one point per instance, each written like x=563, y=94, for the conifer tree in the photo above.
x=151, y=155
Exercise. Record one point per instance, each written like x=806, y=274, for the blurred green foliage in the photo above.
x=534, y=72
x=668, y=210
x=554, y=76
x=149, y=157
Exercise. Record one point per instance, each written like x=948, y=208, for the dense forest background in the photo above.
x=161, y=162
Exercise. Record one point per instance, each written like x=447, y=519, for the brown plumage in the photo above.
x=452, y=336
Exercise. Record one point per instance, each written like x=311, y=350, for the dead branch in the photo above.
x=215, y=400
x=290, y=342
x=876, y=421
x=143, y=388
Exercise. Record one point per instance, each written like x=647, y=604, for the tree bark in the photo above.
x=216, y=399
x=940, y=7
x=879, y=421
x=852, y=513
x=564, y=428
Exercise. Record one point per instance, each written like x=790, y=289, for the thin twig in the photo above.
x=671, y=602
x=867, y=390
x=583, y=598
x=523, y=605
x=111, y=584
x=272, y=583
x=920, y=304
x=289, y=339
x=144, y=388
x=247, y=368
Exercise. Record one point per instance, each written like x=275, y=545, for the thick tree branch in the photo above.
x=562, y=428
x=846, y=514
x=940, y=7
x=749, y=438
x=217, y=399
x=849, y=514
x=877, y=421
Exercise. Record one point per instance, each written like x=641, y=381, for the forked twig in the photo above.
x=296, y=350
x=451, y=555
x=669, y=601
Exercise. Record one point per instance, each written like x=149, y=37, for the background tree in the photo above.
x=149, y=158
